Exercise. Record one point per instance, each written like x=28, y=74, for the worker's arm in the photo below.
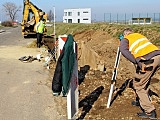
x=37, y=25
x=125, y=51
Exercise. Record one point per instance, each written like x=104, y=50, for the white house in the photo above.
x=81, y=15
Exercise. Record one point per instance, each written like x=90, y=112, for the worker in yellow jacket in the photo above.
x=146, y=57
x=40, y=30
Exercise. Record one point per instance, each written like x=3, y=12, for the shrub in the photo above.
x=7, y=24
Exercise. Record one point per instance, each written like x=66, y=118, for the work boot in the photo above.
x=152, y=115
x=136, y=102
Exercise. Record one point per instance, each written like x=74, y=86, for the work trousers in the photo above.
x=39, y=39
x=142, y=86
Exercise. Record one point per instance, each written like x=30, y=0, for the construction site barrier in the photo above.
x=61, y=41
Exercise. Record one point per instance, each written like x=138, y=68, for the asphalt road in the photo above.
x=12, y=36
x=23, y=91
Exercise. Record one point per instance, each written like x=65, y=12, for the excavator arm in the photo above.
x=31, y=16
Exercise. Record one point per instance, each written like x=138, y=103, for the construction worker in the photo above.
x=40, y=29
x=146, y=57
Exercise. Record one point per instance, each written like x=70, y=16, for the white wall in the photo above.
x=83, y=17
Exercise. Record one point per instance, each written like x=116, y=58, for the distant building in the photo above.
x=141, y=21
x=81, y=15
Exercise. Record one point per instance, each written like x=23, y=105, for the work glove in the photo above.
x=121, y=37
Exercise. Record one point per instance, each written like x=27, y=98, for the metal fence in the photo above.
x=126, y=18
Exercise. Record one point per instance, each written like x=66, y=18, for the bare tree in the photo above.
x=11, y=10
x=50, y=16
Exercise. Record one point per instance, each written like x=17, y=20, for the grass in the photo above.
x=152, y=32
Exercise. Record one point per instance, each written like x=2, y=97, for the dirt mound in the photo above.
x=99, y=44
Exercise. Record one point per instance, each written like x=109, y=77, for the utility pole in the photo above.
x=54, y=32
x=54, y=24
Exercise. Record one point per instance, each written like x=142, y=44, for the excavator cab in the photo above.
x=31, y=16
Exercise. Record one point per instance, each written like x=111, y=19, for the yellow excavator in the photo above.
x=31, y=16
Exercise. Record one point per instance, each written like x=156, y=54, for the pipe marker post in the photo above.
x=113, y=81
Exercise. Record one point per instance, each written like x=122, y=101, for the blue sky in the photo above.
x=98, y=7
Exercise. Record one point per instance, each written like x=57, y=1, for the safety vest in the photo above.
x=41, y=27
x=139, y=45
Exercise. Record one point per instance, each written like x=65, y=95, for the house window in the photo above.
x=85, y=19
x=65, y=21
x=85, y=11
x=69, y=20
x=65, y=13
x=78, y=13
x=69, y=13
x=78, y=20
